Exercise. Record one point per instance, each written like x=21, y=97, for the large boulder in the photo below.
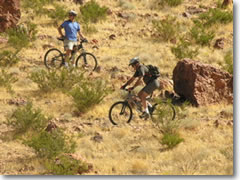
x=202, y=84
x=9, y=14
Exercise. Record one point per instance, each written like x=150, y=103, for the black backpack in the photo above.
x=153, y=71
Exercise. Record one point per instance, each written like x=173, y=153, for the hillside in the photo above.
x=126, y=149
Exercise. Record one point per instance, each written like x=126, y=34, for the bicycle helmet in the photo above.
x=72, y=12
x=133, y=61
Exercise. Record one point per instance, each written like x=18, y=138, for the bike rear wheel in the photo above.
x=87, y=62
x=163, y=111
x=120, y=113
x=53, y=59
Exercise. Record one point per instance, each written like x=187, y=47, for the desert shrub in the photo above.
x=6, y=80
x=157, y=4
x=167, y=28
x=51, y=144
x=173, y=3
x=21, y=36
x=214, y=16
x=171, y=140
x=183, y=50
x=8, y=58
x=27, y=118
x=163, y=113
x=125, y=4
x=201, y=35
x=89, y=29
x=58, y=14
x=62, y=80
x=162, y=118
x=88, y=94
x=228, y=59
x=66, y=165
x=37, y=6
x=92, y=12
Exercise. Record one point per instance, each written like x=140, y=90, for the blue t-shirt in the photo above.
x=71, y=29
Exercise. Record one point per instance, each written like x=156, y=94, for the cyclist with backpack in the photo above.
x=149, y=74
x=72, y=28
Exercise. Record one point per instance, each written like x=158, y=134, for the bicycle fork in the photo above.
x=123, y=108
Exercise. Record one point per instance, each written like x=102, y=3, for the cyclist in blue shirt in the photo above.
x=72, y=28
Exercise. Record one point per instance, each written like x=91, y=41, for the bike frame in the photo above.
x=133, y=99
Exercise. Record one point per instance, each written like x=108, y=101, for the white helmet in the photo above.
x=72, y=12
x=133, y=61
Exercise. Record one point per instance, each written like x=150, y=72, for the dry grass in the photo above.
x=128, y=149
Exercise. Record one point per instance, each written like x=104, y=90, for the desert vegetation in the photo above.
x=55, y=122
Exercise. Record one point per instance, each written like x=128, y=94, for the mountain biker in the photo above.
x=71, y=28
x=152, y=83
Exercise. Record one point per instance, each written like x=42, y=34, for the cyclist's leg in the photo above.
x=68, y=47
x=142, y=95
x=73, y=53
x=148, y=89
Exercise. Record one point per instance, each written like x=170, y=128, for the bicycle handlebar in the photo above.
x=82, y=41
x=129, y=91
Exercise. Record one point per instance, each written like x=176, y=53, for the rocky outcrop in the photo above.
x=226, y=3
x=202, y=83
x=219, y=44
x=9, y=14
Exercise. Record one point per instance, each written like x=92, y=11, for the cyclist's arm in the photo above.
x=81, y=35
x=130, y=81
x=138, y=82
x=60, y=31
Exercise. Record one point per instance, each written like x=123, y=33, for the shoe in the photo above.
x=150, y=109
x=66, y=65
x=85, y=66
x=144, y=115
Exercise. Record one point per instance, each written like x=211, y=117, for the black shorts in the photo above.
x=152, y=86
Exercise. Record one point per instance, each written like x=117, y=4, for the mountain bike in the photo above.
x=54, y=58
x=122, y=111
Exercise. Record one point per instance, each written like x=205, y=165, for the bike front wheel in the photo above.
x=87, y=62
x=53, y=59
x=163, y=112
x=120, y=113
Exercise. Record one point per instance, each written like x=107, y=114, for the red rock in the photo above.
x=219, y=44
x=202, y=84
x=9, y=14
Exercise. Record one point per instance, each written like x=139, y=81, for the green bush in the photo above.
x=26, y=118
x=89, y=29
x=214, y=16
x=162, y=118
x=92, y=12
x=125, y=4
x=171, y=140
x=58, y=14
x=37, y=6
x=228, y=59
x=51, y=144
x=21, y=36
x=201, y=35
x=183, y=50
x=66, y=165
x=61, y=80
x=88, y=94
x=173, y=3
x=8, y=58
x=159, y=4
x=166, y=29
x=6, y=80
